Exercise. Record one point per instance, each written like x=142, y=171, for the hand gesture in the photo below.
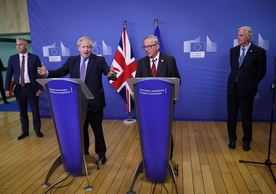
x=42, y=70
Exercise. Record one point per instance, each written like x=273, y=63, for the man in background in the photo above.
x=156, y=64
x=89, y=68
x=248, y=67
x=2, y=84
x=23, y=68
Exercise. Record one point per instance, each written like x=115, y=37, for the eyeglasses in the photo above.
x=148, y=46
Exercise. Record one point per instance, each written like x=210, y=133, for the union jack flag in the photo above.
x=124, y=65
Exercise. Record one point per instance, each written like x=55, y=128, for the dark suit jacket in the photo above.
x=93, y=80
x=166, y=67
x=251, y=72
x=14, y=70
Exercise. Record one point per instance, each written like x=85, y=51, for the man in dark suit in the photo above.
x=248, y=67
x=2, y=84
x=156, y=64
x=94, y=67
x=23, y=67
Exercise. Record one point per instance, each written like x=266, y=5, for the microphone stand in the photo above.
x=268, y=162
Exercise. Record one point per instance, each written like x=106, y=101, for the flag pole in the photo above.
x=157, y=33
x=125, y=22
x=156, y=22
x=129, y=120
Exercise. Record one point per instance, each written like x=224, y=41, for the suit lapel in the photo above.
x=248, y=54
x=17, y=60
x=75, y=67
x=89, y=66
x=236, y=56
x=161, y=66
x=30, y=58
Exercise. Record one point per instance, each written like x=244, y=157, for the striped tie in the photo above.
x=22, y=79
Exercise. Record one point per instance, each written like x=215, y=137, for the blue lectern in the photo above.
x=68, y=101
x=154, y=101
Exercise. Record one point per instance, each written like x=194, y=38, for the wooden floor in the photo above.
x=206, y=165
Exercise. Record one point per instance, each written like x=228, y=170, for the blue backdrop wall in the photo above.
x=198, y=33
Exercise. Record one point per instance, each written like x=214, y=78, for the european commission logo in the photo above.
x=54, y=52
x=198, y=48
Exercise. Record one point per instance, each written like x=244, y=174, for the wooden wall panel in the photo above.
x=14, y=17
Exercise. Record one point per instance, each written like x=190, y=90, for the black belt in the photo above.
x=26, y=84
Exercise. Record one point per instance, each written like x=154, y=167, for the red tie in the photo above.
x=22, y=71
x=153, y=68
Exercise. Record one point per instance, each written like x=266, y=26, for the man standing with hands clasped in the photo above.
x=89, y=68
x=248, y=67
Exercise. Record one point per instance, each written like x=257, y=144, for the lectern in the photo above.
x=154, y=102
x=68, y=101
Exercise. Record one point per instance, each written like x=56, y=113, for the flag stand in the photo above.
x=129, y=120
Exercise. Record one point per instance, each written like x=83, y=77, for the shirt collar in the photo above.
x=26, y=54
x=246, y=47
x=156, y=58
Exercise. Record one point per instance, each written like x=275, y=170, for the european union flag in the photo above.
x=157, y=33
x=197, y=47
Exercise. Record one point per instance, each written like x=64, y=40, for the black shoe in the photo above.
x=232, y=145
x=39, y=134
x=246, y=146
x=102, y=159
x=23, y=135
x=6, y=102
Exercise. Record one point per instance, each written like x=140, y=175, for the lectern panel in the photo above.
x=154, y=101
x=65, y=112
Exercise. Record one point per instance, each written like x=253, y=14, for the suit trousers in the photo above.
x=245, y=105
x=25, y=95
x=2, y=88
x=3, y=94
x=95, y=120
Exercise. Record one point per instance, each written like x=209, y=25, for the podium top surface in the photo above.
x=172, y=80
x=78, y=81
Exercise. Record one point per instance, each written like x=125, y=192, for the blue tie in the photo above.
x=82, y=70
x=241, y=57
